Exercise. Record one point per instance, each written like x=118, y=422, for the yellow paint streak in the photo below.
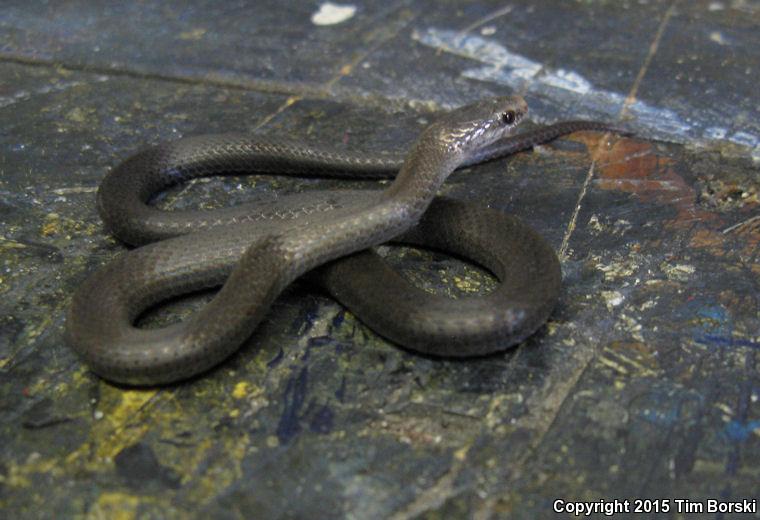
x=286, y=104
x=10, y=244
x=115, y=506
x=642, y=369
x=615, y=366
x=241, y=390
x=52, y=225
x=118, y=436
x=80, y=376
x=193, y=34
x=466, y=284
x=461, y=453
x=78, y=115
x=18, y=475
x=39, y=328
x=120, y=428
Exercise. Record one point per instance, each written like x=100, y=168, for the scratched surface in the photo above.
x=643, y=384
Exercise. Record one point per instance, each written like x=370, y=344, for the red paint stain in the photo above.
x=633, y=166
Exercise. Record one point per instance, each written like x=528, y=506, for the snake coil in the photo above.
x=255, y=252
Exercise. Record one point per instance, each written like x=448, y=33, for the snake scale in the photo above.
x=255, y=252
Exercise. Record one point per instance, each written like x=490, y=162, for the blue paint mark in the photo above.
x=738, y=431
x=276, y=360
x=322, y=421
x=319, y=341
x=714, y=312
x=306, y=318
x=728, y=341
x=295, y=394
x=337, y=321
x=340, y=393
x=707, y=318
x=710, y=323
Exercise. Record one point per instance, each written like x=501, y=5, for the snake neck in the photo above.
x=428, y=164
x=374, y=220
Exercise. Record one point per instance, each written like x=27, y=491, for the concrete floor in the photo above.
x=643, y=384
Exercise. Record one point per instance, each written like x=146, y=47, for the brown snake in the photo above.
x=256, y=253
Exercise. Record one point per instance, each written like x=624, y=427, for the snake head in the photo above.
x=471, y=127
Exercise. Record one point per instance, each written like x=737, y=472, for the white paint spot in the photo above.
x=25, y=95
x=575, y=96
x=716, y=6
x=677, y=272
x=632, y=326
x=744, y=138
x=488, y=30
x=621, y=226
x=331, y=14
x=716, y=132
x=612, y=299
x=595, y=225
x=717, y=37
x=568, y=80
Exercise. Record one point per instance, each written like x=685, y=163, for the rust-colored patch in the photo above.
x=746, y=243
x=634, y=167
x=708, y=240
x=750, y=234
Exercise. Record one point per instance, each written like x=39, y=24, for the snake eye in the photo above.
x=508, y=117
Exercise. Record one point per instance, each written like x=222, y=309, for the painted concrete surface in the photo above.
x=643, y=384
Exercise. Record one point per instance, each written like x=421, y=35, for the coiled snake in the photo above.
x=256, y=252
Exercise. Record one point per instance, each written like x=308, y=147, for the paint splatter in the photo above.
x=295, y=395
x=331, y=14
x=740, y=431
x=576, y=96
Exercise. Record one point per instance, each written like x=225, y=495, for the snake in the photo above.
x=255, y=251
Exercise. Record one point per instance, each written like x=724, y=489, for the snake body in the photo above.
x=254, y=253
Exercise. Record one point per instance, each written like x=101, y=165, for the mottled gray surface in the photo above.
x=643, y=384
